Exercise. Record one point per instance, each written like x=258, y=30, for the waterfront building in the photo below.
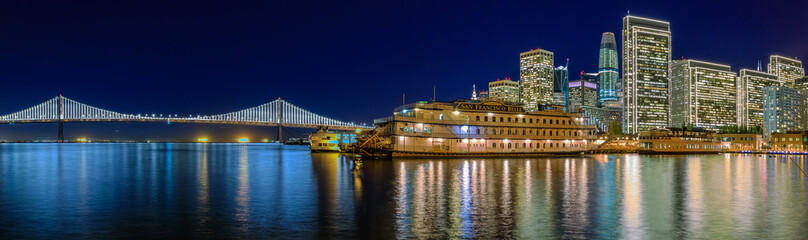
x=703, y=94
x=504, y=90
x=750, y=96
x=583, y=92
x=561, y=86
x=646, y=59
x=791, y=141
x=487, y=128
x=607, y=69
x=676, y=140
x=784, y=109
x=536, y=76
x=741, y=141
x=786, y=69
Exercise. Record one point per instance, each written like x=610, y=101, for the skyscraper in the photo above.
x=786, y=69
x=561, y=86
x=474, y=92
x=607, y=69
x=702, y=94
x=504, y=90
x=750, y=96
x=784, y=109
x=646, y=59
x=536, y=77
x=583, y=93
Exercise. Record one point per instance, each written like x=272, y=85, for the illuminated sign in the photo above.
x=489, y=106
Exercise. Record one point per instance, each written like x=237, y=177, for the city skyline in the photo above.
x=179, y=94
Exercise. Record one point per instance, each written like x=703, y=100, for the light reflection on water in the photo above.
x=271, y=191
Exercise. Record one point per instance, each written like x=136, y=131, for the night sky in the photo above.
x=349, y=61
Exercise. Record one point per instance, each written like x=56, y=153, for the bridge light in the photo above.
x=243, y=140
x=202, y=140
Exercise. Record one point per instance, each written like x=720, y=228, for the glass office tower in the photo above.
x=536, y=78
x=786, y=69
x=703, y=94
x=646, y=73
x=607, y=69
x=750, y=96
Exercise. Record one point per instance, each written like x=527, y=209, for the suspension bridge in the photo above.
x=277, y=113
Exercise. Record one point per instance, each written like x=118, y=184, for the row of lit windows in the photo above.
x=530, y=132
x=516, y=120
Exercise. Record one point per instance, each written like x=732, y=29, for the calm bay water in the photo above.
x=271, y=191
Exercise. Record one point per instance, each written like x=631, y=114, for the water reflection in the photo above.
x=272, y=191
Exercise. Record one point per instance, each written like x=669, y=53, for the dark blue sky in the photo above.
x=349, y=61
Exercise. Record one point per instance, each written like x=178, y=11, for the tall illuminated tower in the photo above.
x=607, y=69
x=702, y=94
x=536, y=77
x=646, y=73
x=750, y=96
x=786, y=69
x=561, y=86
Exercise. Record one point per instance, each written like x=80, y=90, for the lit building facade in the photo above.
x=801, y=83
x=786, y=69
x=646, y=73
x=607, y=69
x=486, y=128
x=536, y=76
x=784, y=109
x=750, y=96
x=561, y=86
x=504, y=90
x=583, y=93
x=702, y=94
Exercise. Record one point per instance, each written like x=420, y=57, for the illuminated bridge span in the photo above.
x=275, y=113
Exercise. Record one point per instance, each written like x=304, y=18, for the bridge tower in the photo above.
x=280, y=120
x=61, y=110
